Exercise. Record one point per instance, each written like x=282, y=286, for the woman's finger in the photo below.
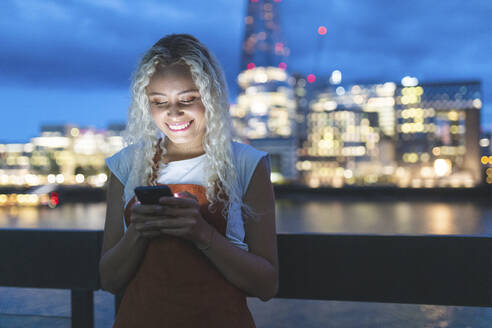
x=169, y=223
x=151, y=234
x=177, y=202
x=186, y=194
x=136, y=218
x=147, y=209
x=167, y=213
x=174, y=212
x=145, y=226
x=174, y=231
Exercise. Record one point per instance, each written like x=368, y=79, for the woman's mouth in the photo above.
x=179, y=127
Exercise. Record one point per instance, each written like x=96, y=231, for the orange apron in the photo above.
x=176, y=285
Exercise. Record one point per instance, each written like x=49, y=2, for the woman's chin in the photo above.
x=180, y=140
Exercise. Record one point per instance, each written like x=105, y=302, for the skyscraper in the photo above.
x=409, y=135
x=263, y=44
x=437, y=127
x=265, y=110
x=343, y=140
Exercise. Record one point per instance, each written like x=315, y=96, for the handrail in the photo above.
x=416, y=269
x=65, y=259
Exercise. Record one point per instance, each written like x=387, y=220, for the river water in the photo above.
x=323, y=216
x=305, y=215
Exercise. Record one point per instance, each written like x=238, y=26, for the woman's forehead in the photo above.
x=175, y=69
x=176, y=78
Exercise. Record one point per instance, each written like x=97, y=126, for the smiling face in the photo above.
x=177, y=108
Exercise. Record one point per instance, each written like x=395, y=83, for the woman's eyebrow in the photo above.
x=189, y=90
x=163, y=94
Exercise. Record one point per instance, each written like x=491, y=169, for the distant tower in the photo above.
x=265, y=110
x=263, y=44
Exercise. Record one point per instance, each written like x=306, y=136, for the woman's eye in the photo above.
x=155, y=102
x=188, y=100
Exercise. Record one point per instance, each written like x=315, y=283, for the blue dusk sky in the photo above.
x=70, y=61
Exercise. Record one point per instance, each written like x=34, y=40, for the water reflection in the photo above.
x=313, y=313
x=68, y=216
x=299, y=216
x=26, y=215
x=443, y=220
x=437, y=315
x=383, y=217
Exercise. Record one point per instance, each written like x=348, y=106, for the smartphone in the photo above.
x=149, y=195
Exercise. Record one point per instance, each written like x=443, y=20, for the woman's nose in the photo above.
x=174, y=110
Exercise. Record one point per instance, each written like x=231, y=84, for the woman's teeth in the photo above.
x=179, y=127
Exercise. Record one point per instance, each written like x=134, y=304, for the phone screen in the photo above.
x=151, y=194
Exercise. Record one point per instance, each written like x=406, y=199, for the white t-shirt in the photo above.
x=192, y=171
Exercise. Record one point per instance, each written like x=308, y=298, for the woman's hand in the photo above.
x=185, y=219
x=178, y=216
x=140, y=217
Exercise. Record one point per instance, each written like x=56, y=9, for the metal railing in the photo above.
x=420, y=269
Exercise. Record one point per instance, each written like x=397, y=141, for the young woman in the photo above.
x=191, y=260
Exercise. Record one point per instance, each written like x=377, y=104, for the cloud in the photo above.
x=31, y=10
x=99, y=42
x=114, y=5
x=91, y=43
x=371, y=40
x=78, y=55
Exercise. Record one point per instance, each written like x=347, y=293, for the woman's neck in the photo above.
x=176, y=152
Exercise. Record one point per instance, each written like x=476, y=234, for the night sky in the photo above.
x=71, y=61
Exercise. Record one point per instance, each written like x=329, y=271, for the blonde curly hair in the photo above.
x=222, y=182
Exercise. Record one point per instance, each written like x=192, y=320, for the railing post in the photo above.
x=117, y=301
x=82, y=308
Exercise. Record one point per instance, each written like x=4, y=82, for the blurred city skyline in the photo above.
x=71, y=61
